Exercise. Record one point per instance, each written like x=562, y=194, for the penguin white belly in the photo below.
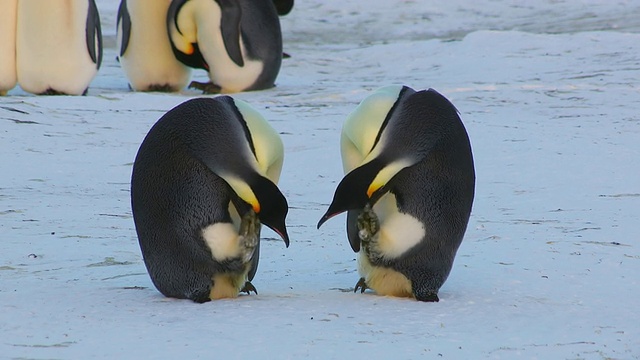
x=148, y=61
x=8, y=16
x=51, y=47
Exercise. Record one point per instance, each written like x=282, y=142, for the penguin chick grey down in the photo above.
x=238, y=42
x=58, y=46
x=408, y=190
x=203, y=181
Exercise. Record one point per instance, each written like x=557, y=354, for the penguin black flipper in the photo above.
x=255, y=258
x=230, y=29
x=352, y=229
x=191, y=58
x=94, y=34
x=283, y=7
x=124, y=20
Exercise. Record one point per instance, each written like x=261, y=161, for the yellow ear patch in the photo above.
x=266, y=142
x=386, y=174
x=243, y=190
x=362, y=126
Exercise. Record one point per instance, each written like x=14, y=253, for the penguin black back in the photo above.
x=184, y=186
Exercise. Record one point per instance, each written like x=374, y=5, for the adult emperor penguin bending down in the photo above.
x=203, y=181
x=408, y=190
x=238, y=42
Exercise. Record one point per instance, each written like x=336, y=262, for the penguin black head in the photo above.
x=355, y=191
x=271, y=207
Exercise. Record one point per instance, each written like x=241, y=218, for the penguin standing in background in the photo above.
x=408, y=190
x=238, y=42
x=145, y=52
x=203, y=181
x=58, y=46
x=8, y=16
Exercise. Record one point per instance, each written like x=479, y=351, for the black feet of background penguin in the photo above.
x=204, y=180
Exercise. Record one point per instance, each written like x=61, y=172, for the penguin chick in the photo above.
x=8, y=16
x=238, y=42
x=145, y=52
x=408, y=190
x=202, y=183
x=58, y=46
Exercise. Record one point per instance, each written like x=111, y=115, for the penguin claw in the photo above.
x=248, y=288
x=362, y=285
x=206, y=88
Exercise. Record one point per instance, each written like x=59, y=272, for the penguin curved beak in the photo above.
x=272, y=206
x=356, y=190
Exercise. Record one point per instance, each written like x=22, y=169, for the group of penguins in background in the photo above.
x=205, y=177
x=55, y=47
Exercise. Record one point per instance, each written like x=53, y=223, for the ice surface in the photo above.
x=549, y=266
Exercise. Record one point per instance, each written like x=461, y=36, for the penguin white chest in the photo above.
x=399, y=232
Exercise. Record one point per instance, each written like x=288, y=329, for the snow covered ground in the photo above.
x=549, y=266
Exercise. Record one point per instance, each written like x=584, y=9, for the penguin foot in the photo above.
x=248, y=288
x=362, y=285
x=207, y=88
x=368, y=228
x=53, y=92
x=427, y=297
x=160, y=88
x=249, y=235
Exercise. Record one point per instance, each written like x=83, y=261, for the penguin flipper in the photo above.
x=255, y=258
x=93, y=33
x=230, y=28
x=124, y=20
x=352, y=229
x=283, y=7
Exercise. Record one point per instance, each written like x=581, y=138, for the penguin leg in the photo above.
x=368, y=231
x=362, y=285
x=207, y=88
x=51, y=91
x=422, y=293
x=248, y=288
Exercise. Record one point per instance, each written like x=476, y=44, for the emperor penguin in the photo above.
x=8, y=17
x=238, y=42
x=145, y=52
x=408, y=190
x=203, y=182
x=58, y=46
